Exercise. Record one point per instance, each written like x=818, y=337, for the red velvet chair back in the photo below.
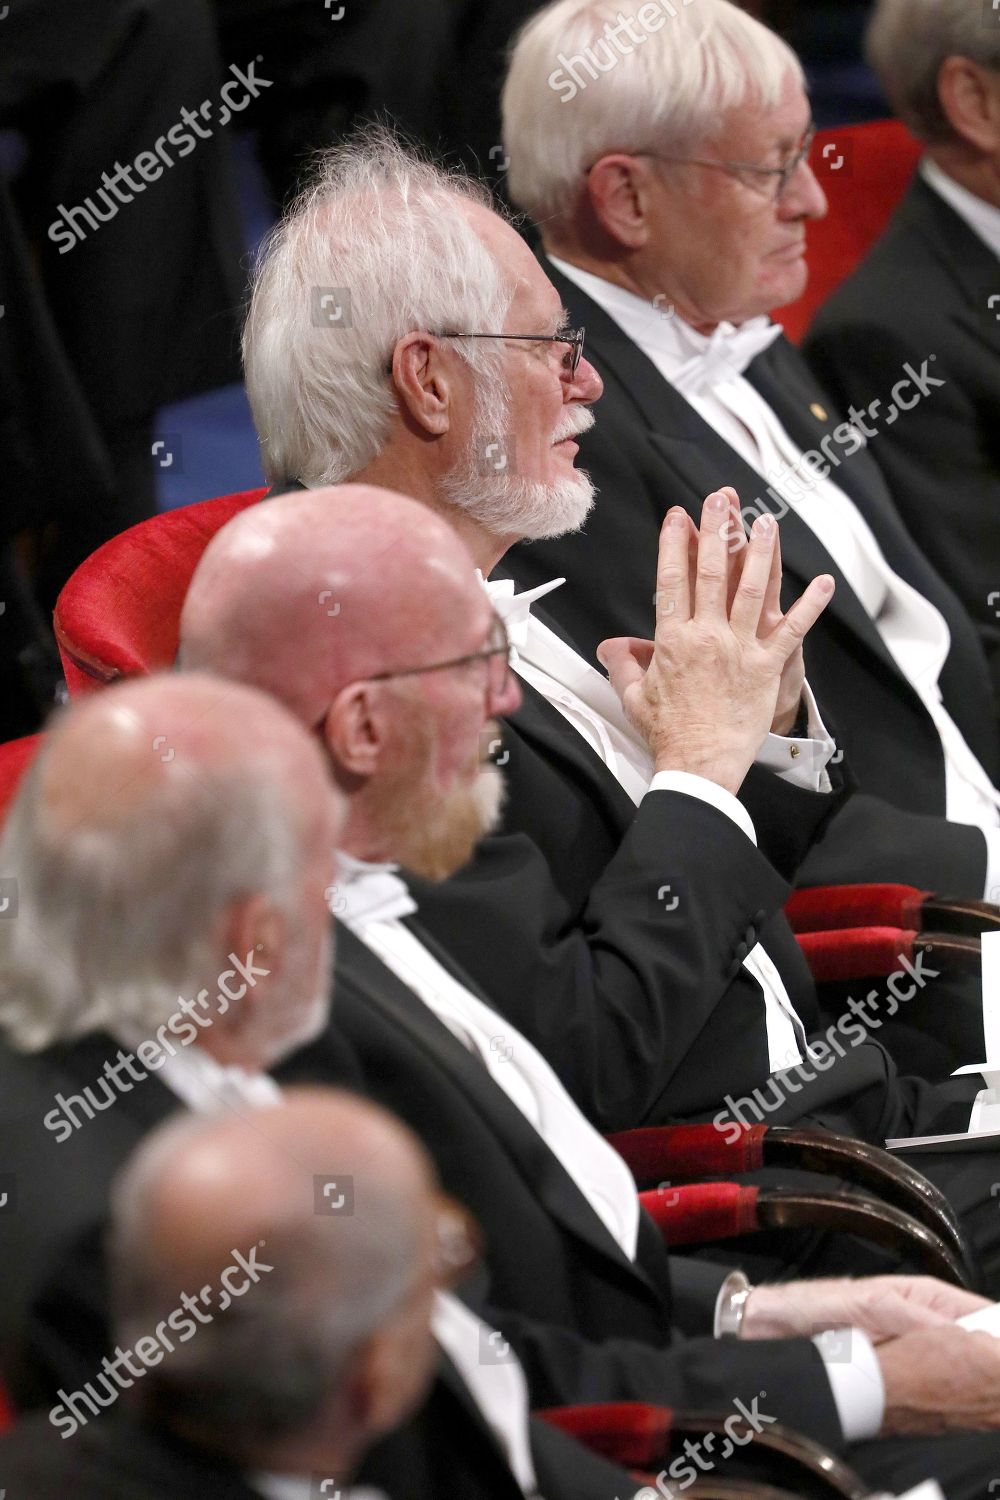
x=864, y=171
x=15, y=758
x=119, y=614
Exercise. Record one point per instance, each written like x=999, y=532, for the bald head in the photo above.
x=156, y=809
x=111, y=759
x=313, y=590
x=200, y=1185
x=203, y=1192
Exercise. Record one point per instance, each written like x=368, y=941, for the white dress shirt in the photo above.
x=586, y=699
x=512, y=1061
x=708, y=372
x=498, y=1389
x=982, y=218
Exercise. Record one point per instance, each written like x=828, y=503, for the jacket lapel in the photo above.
x=402, y=1010
x=703, y=460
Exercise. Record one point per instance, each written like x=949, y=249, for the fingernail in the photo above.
x=718, y=502
x=764, y=525
x=676, y=518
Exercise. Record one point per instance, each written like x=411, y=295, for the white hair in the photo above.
x=388, y=229
x=114, y=923
x=907, y=42
x=574, y=93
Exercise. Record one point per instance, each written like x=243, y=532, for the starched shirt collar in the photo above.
x=694, y=361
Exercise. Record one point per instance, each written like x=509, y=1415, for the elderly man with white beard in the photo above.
x=623, y=918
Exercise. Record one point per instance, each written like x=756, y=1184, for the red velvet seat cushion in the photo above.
x=15, y=758
x=876, y=163
x=118, y=615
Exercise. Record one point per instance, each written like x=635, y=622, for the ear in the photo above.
x=619, y=187
x=424, y=382
x=971, y=102
x=255, y=926
x=354, y=729
x=378, y=1391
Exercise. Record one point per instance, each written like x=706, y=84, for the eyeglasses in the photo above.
x=571, y=337
x=497, y=654
x=781, y=177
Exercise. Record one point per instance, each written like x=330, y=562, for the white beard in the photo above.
x=505, y=504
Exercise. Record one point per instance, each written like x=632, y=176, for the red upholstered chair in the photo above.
x=864, y=171
x=15, y=758
x=850, y=932
x=119, y=613
x=888, y=1202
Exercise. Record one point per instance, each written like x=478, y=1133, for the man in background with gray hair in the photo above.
x=668, y=173
x=931, y=285
x=170, y=852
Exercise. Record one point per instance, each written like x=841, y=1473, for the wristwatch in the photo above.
x=731, y=1304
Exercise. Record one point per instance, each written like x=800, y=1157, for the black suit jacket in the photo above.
x=645, y=1012
x=587, y=1323
x=926, y=288
x=650, y=449
x=558, y=918
x=53, y=1311
x=447, y=1449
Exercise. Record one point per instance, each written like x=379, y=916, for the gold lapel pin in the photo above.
x=819, y=412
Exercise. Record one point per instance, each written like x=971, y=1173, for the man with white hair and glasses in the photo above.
x=668, y=174
x=931, y=285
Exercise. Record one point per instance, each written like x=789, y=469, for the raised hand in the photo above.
x=704, y=692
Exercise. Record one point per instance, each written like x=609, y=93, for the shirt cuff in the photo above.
x=801, y=761
x=708, y=791
x=855, y=1377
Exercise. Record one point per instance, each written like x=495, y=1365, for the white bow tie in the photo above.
x=369, y=892
x=723, y=355
x=515, y=609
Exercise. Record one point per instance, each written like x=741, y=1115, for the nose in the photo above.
x=586, y=385
x=805, y=199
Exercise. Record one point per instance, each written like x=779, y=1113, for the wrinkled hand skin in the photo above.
x=725, y=664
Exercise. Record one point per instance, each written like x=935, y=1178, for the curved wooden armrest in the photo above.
x=826, y=908
x=706, y=1212
x=875, y=952
x=641, y=1436
x=714, y=1487
x=689, y=1152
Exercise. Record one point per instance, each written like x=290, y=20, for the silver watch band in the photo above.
x=731, y=1304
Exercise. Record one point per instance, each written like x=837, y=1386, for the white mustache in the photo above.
x=576, y=420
